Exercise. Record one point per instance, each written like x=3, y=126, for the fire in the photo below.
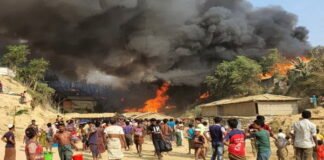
x=282, y=68
x=154, y=104
x=204, y=95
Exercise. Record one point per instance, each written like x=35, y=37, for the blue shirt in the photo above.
x=171, y=124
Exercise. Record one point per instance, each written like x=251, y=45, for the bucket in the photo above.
x=77, y=157
x=48, y=155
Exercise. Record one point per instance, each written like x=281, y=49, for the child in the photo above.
x=320, y=150
x=235, y=140
x=139, y=137
x=199, y=142
x=281, y=134
x=262, y=141
x=282, y=150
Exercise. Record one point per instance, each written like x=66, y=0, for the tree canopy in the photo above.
x=237, y=77
x=15, y=56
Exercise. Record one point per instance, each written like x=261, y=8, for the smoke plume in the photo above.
x=131, y=41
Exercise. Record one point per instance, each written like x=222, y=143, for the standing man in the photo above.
x=9, y=139
x=157, y=137
x=217, y=133
x=64, y=139
x=34, y=126
x=304, y=137
x=199, y=125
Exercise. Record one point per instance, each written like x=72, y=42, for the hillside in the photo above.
x=9, y=102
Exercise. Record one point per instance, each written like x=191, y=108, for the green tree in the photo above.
x=237, y=77
x=267, y=62
x=15, y=56
x=34, y=72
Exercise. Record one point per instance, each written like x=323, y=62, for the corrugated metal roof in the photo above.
x=90, y=115
x=262, y=97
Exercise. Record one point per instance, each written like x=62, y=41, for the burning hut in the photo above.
x=265, y=104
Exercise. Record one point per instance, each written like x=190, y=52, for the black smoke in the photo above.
x=121, y=42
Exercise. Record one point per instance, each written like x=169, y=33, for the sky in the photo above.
x=310, y=14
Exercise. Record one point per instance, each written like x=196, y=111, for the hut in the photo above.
x=79, y=104
x=265, y=104
x=146, y=115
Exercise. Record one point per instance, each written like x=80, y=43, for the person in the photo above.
x=42, y=138
x=157, y=138
x=235, y=140
x=49, y=137
x=23, y=99
x=262, y=138
x=115, y=140
x=92, y=138
x=199, y=141
x=304, y=137
x=9, y=139
x=281, y=134
x=34, y=125
x=190, y=134
x=199, y=124
x=320, y=150
x=282, y=144
x=139, y=133
x=1, y=87
x=128, y=130
x=171, y=124
x=101, y=139
x=266, y=127
x=217, y=132
x=179, y=132
x=319, y=136
x=166, y=130
x=33, y=149
x=65, y=143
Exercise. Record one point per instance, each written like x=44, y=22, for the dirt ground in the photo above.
x=178, y=153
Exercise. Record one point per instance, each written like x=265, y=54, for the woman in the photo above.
x=9, y=139
x=179, y=132
x=101, y=139
x=93, y=141
x=33, y=150
x=139, y=133
x=128, y=130
x=116, y=140
x=42, y=138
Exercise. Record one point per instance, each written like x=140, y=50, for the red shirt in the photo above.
x=236, y=139
x=320, y=152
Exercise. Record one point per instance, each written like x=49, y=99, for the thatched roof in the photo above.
x=256, y=98
x=146, y=115
x=90, y=115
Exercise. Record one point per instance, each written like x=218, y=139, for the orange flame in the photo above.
x=282, y=68
x=154, y=104
x=204, y=95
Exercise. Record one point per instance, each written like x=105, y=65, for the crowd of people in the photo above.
x=117, y=135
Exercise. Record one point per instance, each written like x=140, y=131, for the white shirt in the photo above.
x=304, y=130
x=114, y=129
x=281, y=135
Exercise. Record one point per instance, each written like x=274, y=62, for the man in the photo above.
x=155, y=130
x=9, y=139
x=34, y=126
x=64, y=139
x=304, y=137
x=171, y=124
x=217, y=132
x=235, y=140
x=262, y=138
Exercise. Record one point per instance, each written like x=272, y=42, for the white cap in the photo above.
x=10, y=126
x=197, y=129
